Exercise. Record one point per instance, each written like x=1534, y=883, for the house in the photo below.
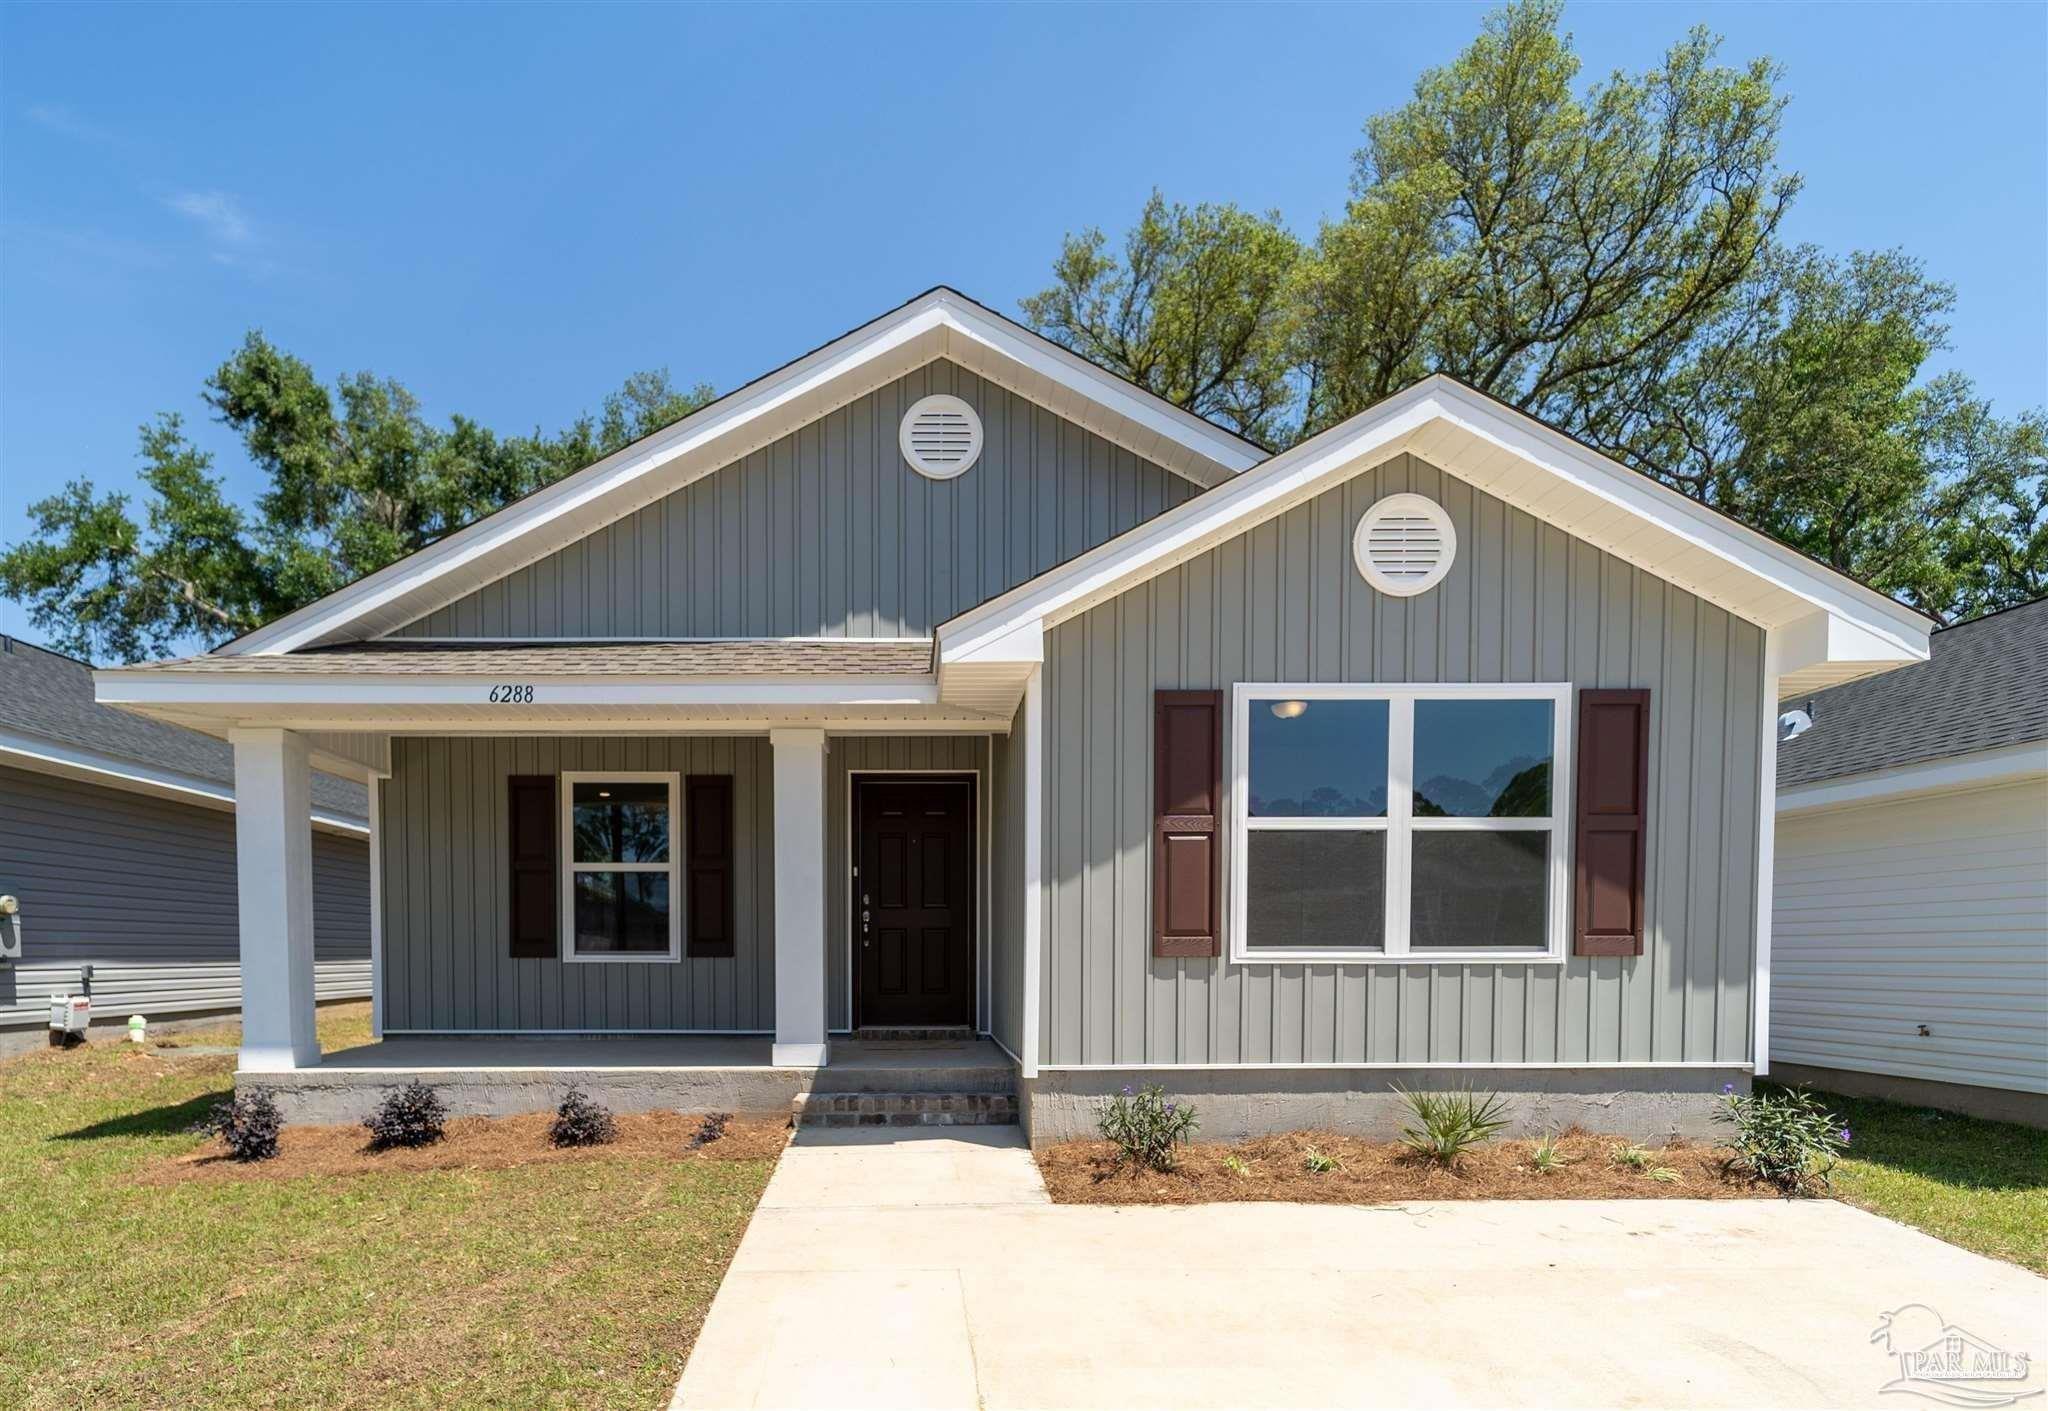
x=941, y=686
x=117, y=838
x=1911, y=915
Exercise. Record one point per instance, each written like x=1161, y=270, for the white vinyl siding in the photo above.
x=1930, y=910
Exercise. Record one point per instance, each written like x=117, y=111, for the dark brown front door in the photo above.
x=913, y=901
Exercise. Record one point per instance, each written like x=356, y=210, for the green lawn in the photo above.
x=549, y=1285
x=1982, y=1185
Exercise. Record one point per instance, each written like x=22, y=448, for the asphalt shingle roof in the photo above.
x=50, y=697
x=758, y=658
x=1985, y=686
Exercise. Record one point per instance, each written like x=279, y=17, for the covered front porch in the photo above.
x=637, y=878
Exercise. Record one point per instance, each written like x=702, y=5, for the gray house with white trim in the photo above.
x=942, y=687
x=117, y=838
x=1911, y=917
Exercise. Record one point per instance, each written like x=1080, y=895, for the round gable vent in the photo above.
x=941, y=437
x=1404, y=545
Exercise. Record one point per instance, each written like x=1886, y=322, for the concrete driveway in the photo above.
x=894, y=1269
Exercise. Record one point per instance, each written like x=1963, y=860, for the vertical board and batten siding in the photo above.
x=143, y=889
x=845, y=756
x=828, y=532
x=447, y=961
x=1006, y=886
x=1931, y=910
x=1284, y=602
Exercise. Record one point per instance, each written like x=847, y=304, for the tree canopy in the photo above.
x=357, y=478
x=1607, y=257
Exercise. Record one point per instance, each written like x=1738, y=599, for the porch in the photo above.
x=496, y=1076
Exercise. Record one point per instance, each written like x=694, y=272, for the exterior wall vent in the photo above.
x=941, y=437
x=1404, y=545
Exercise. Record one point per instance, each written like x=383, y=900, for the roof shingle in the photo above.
x=1985, y=686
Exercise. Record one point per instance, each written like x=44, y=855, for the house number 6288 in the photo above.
x=511, y=695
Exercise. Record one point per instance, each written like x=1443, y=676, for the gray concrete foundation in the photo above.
x=1641, y=1103
x=502, y=1076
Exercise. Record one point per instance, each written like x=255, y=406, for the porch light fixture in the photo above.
x=1289, y=710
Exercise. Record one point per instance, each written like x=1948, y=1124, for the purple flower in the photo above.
x=1845, y=1134
x=1169, y=1108
x=1727, y=1089
x=1127, y=1089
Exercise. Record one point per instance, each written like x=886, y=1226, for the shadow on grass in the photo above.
x=1971, y=1153
x=172, y=1119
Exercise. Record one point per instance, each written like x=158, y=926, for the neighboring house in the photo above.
x=117, y=835
x=1911, y=936
x=940, y=680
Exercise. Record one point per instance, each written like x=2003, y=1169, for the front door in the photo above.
x=913, y=901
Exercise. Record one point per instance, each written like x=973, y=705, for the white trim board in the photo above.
x=113, y=772
x=1841, y=628
x=1966, y=771
x=938, y=324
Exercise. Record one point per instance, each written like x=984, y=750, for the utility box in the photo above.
x=70, y=1016
x=10, y=929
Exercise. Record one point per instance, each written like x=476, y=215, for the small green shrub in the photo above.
x=412, y=1116
x=582, y=1121
x=1447, y=1125
x=247, y=1124
x=1785, y=1139
x=1317, y=1164
x=1633, y=1156
x=1549, y=1154
x=1145, y=1127
x=1236, y=1165
x=1664, y=1174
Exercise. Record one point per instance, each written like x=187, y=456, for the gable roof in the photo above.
x=940, y=323
x=1984, y=687
x=48, y=714
x=1834, y=628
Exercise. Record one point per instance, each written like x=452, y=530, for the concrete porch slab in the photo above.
x=502, y=1075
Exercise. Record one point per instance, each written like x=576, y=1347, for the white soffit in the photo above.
x=1834, y=629
x=939, y=324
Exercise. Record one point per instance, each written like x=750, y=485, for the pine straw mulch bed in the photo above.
x=1372, y=1173
x=478, y=1144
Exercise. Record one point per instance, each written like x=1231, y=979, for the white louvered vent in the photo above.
x=941, y=437
x=1404, y=545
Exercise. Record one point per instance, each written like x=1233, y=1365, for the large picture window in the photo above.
x=620, y=867
x=1399, y=823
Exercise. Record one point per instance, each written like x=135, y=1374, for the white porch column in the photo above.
x=274, y=873
x=799, y=897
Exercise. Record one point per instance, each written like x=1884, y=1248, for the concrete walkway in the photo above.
x=905, y=1269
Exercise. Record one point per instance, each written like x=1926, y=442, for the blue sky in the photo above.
x=512, y=209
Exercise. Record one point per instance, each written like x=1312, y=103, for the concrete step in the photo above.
x=903, y=1109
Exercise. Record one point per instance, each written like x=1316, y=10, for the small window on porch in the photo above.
x=617, y=900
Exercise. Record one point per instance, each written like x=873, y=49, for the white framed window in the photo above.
x=621, y=880
x=1406, y=824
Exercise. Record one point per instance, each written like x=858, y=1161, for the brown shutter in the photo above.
x=1187, y=767
x=1613, y=819
x=707, y=871
x=535, y=919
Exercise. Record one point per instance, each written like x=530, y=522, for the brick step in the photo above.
x=903, y=1109
x=916, y=1033
x=911, y=1077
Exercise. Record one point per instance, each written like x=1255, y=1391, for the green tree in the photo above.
x=356, y=478
x=1608, y=261
x=1198, y=309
